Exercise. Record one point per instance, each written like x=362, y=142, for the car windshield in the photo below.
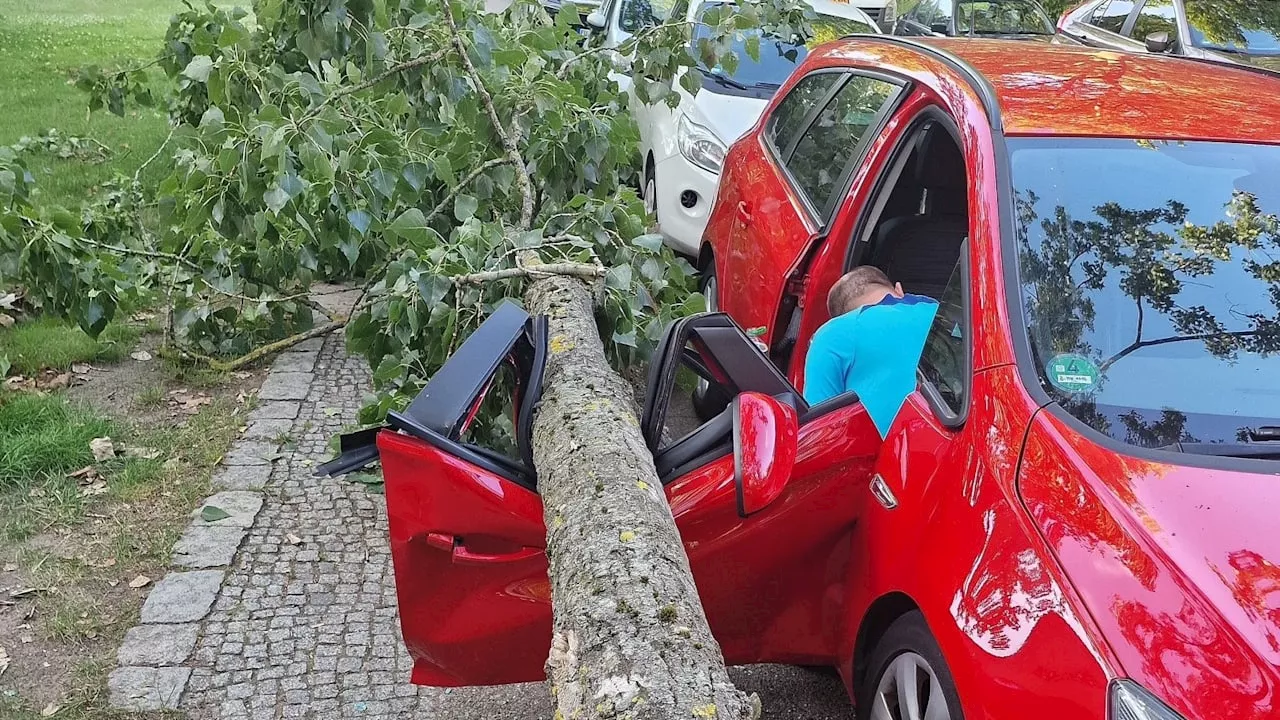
x=777, y=57
x=985, y=17
x=635, y=15
x=1150, y=285
x=1246, y=26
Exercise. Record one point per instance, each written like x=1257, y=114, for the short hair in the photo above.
x=853, y=285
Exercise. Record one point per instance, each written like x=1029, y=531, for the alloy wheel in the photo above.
x=651, y=196
x=909, y=690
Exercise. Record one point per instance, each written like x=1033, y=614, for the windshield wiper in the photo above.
x=727, y=81
x=1255, y=450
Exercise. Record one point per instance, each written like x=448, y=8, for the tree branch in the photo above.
x=578, y=270
x=508, y=141
x=475, y=173
x=631, y=42
x=1134, y=347
x=375, y=80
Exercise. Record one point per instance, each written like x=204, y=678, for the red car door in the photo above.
x=782, y=184
x=467, y=537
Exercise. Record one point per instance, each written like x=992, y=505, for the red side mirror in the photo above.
x=765, y=435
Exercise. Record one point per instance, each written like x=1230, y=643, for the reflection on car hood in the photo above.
x=1178, y=565
x=728, y=116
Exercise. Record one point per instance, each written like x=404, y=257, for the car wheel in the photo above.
x=709, y=402
x=907, y=678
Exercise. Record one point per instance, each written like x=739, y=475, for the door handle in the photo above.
x=744, y=210
x=457, y=547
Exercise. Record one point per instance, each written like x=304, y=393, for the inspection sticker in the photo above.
x=1073, y=373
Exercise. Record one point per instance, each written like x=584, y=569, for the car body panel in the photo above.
x=1179, y=566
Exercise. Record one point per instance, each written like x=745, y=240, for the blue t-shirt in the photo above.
x=873, y=351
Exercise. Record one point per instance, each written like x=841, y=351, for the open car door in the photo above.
x=765, y=496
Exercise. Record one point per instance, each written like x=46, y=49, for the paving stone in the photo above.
x=158, y=644
x=204, y=546
x=147, y=689
x=241, y=507
x=285, y=386
x=302, y=361
x=242, y=477
x=311, y=345
x=276, y=410
x=182, y=597
x=268, y=428
x=252, y=452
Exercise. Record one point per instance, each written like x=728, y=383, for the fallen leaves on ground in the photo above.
x=50, y=710
x=293, y=539
x=4, y=660
x=145, y=453
x=45, y=381
x=102, y=448
x=82, y=368
x=213, y=513
x=140, y=355
x=188, y=402
x=139, y=582
x=10, y=567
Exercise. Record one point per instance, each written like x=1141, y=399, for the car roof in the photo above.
x=1076, y=91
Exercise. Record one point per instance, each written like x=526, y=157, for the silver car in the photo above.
x=1243, y=31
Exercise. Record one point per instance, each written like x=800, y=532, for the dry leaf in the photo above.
x=142, y=316
x=60, y=380
x=140, y=355
x=145, y=453
x=50, y=710
x=21, y=592
x=113, y=583
x=109, y=562
x=81, y=368
x=10, y=567
x=4, y=660
x=172, y=464
x=102, y=448
x=87, y=471
x=6, y=320
x=241, y=375
x=293, y=539
x=98, y=487
x=140, y=581
x=26, y=638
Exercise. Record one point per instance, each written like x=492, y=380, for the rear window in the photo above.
x=788, y=118
x=824, y=150
x=1150, y=285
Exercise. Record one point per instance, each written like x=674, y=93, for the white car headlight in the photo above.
x=1129, y=701
x=699, y=145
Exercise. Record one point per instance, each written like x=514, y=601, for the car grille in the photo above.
x=874, y=13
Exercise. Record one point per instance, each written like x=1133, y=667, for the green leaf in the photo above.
x=199, y=68
x=651, y=242
x=618, y=277
x=359, y=220
x=213, y=513
x=412, y=226
x=464, y=207
x=275, y=198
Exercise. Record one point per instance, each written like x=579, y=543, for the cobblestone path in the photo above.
x=304, y=624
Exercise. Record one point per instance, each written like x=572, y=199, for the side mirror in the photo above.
x=940, y=27
x=597, y=20
x=765, y=436
x=1158, y=42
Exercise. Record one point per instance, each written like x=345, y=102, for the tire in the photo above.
x=650, y=191
x=709, y=402
x=908, y=653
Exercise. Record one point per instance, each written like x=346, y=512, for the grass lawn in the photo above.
x=51, y=343
x=42, y=43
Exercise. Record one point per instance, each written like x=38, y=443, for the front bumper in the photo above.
x=685, y=194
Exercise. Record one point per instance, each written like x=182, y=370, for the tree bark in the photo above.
x=630, y=638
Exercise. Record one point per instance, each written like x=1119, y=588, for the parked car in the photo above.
x=1073, y=515
x=682, y=147
x=1247, y=31
x=1013, y=19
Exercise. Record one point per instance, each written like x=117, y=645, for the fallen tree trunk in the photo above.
x=631, y=638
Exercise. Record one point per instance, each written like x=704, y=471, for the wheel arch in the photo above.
x=706, y=256
x=882, y=613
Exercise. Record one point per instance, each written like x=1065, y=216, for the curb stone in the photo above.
x=152, y=672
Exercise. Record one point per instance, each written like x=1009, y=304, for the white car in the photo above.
x=682, y=148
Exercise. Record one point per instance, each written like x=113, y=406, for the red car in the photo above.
x=1068, y=519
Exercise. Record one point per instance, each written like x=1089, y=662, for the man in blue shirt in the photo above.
x=870, y=346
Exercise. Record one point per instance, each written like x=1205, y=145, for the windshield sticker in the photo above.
x=1073, y=373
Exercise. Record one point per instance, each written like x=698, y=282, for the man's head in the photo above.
x=864, y=285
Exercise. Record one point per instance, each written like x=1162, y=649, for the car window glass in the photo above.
x=933, y=12
x=1111, y=15
x=636, y=15
x=1251, y=27
x=943, y=362
x=828, y=144
x=1157, y=16
x=1001, y=17
x=790, y=113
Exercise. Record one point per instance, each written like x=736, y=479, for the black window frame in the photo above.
x=821, y=217
x=858, y=247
